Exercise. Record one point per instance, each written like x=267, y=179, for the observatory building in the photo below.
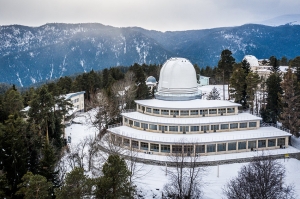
x=178, y=120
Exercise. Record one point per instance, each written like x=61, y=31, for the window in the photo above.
x=156, y=111
x=210, y=148
x=234, y=126
x=144, y=146
x=261, y=143
x=125, y=120
x=205, y=128
x=137, y=124
x=243, y=125
x=221, y=111
x=139, y=106
x=126, y=142
x=194, y=112
x=148, y=110
x=221, y=147
x=188, y=149
x=224, y=126
x=184, y=129
x=165, y=148
x=280, y=141
x=134, y=144
x=203, y=112
x=251, y=144
x=152, y=127
x=241, y=145
x=214, y=127
x=232, y=146
x=252, y=124
x=184, y=113
x=212, y=111
x=230, y=110
x=174, y=112
x=271, y=142
x=144, y=126
x=194, y=128
x=154, y=147
x=163, y=128
x=173, y=128
x=113, y=138
x=119, y=140
x=200, y=149
x=176, y=149
x=165, y=112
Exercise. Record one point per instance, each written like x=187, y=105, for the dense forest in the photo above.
x=32, y=144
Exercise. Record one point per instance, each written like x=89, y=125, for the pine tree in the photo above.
x=114, y=183
x=252, y=81
x=213, y=95
x=295, y=63
x=225, y=65
x=14, y=152
x=76, y=185
x=271, y=112
x=275, y=64
x=41, y=111
x=290, y=100
x=34, y=187
x=238, y=84
x=47, y=164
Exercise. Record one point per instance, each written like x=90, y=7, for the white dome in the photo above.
x=252, y=60
x=177, y=80
x=151, y=80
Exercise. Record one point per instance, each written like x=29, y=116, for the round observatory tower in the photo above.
x=177, y=81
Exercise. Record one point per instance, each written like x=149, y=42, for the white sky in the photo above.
x=149, y=14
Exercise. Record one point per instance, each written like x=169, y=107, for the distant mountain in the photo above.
x=282, y=20
x=33, y=54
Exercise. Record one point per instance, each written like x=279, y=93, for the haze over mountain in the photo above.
x=33, y=54
x=292, y=19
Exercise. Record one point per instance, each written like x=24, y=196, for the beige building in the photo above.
x=178, y=120
x=77, y=99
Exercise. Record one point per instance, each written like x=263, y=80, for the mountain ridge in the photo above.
x=33, y=54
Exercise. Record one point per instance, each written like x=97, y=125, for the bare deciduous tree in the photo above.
x=99, y=116
x=185, y=178
x=263, y=177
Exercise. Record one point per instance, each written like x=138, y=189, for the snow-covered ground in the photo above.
x=206, y=90
x=152, y=178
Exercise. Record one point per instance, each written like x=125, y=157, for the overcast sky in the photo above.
x=149, y=14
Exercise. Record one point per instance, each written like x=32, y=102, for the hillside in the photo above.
x=33, y=54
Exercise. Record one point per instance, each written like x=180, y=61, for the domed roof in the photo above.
x=177, y=80
x=252, y=60
x=151, y=80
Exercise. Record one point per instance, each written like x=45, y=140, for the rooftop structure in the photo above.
x=177, y=81
x=178, y=121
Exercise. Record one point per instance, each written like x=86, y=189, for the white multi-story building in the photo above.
x=178, y=120
x=77, y=99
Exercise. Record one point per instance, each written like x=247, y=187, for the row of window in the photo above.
x=174, y=113
x=194, y=128
x=219, y=147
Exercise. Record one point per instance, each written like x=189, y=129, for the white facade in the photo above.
x=77, y=99
x=203, y=81
x=192, y=126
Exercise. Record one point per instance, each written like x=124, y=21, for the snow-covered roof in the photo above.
x=252, y=60
x=70, y=95
x=263, y=132
x=191, y=104
x=195, y=120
